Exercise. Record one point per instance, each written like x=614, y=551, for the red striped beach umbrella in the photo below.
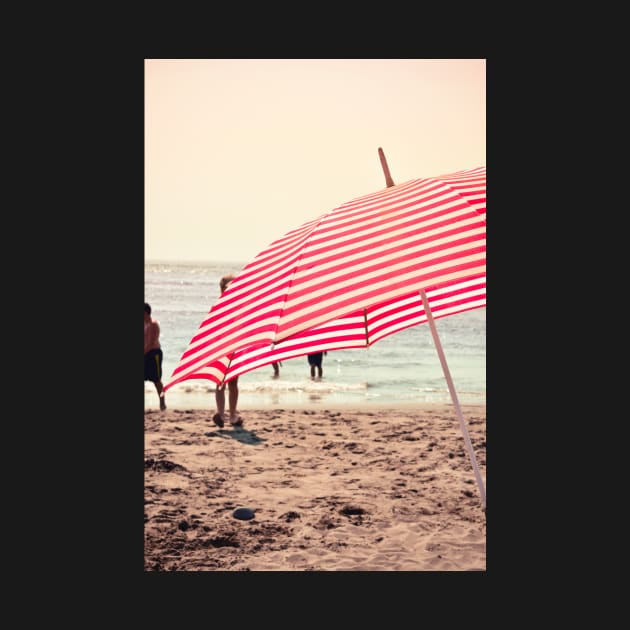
x=405, y=255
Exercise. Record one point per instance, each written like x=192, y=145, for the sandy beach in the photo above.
x=331, y=489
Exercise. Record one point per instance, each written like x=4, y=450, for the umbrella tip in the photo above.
x=388, y=178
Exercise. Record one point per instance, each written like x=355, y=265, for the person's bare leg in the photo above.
x=233, y=401
x=159, y=387
x=320, y=371
x=220, y=400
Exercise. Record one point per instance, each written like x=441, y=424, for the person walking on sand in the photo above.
x=219, y=416
x=153, y=354
x=315, y=361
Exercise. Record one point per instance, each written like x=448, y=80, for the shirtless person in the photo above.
x=153, y=354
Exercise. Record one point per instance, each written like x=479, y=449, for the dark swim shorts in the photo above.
x=315, y=359
x=153, y=365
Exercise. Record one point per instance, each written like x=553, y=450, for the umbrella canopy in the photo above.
x=375, y=265
x=349, y=278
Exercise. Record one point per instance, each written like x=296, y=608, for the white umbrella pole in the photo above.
x=451, y=389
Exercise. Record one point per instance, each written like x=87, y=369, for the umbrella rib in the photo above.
x=230, y=357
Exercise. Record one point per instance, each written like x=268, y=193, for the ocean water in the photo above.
x=402, y=369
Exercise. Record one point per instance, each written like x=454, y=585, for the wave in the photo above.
x=280, y=386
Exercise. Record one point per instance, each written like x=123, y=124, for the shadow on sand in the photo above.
x=236, y=433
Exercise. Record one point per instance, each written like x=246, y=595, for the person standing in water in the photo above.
x=315, y=361
x=153, y=354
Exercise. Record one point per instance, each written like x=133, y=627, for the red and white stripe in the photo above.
x=350, y=278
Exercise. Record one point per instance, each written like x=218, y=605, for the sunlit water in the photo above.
x=401, y=369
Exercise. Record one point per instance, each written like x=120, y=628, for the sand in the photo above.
x=368, y=489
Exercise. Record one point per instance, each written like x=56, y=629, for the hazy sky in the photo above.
x=240, y=151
